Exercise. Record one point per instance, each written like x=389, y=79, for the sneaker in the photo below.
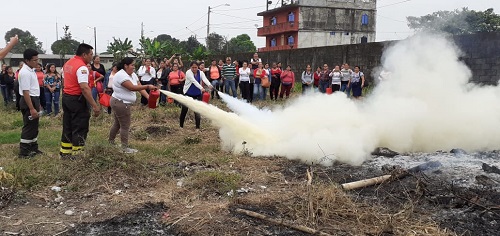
x=129, y=150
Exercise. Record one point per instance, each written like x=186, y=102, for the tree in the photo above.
x=120, y=48
x=66, y=45
x=455, y=22
x=215, y=43
x=191, y=44
x=26, y=40
x=200, y=53
x=241, y=43
x=154, y=49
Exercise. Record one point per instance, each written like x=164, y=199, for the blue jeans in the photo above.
x=263, y=94
x=323, y=84
x=257, y=91
x=163, y=97
x=6, y=93
x=348, y=91
x=230, y=84
x=52, y=98
x=94, y=93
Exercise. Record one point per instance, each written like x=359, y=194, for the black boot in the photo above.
x=25, y=150
x=34, y=149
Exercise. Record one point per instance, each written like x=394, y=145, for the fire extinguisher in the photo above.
x=206, y=97
x=153, y=98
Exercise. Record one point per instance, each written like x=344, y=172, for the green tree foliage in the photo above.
x=156, y=50
x=200, y=53
x=192, y=44
x=26, y=40
x=463, y=21
x=66, y=45
x=241, y=43
x=215, y=43
x=120, y=48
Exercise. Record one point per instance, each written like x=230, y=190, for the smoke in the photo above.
x=426, y=105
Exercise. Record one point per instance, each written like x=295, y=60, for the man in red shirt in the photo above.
x=75, y=102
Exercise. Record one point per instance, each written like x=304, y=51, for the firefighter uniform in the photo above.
x=28, y=80
x=76, y=114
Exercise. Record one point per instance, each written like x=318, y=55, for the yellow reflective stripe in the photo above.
x=77, y=148
x=66, y=145
x=65, y=151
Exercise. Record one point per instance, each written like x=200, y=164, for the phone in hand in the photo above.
x=177, y=54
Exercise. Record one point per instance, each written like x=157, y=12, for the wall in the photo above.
x=481, y=52
x=309, y=39
x=363, y=4
x=335, y=19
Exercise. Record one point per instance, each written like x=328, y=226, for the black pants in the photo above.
x=42, y=98
x=184, y=112
x=76, y=119
x=245, y=89
x=16, y=92
x=29, y=134
x=178, y=90
x=144, y=101
x=275, y=88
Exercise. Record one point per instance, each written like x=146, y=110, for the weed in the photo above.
x=215, y=181
x=191, y=140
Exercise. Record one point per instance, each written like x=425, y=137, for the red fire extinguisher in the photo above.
x=329, y=91
x=153, y=98
x=206, y=97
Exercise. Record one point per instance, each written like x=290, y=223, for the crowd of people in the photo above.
x=37, y=90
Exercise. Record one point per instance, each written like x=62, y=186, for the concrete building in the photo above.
x=318, y=23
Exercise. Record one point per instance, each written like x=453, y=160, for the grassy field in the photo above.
x=187, y=171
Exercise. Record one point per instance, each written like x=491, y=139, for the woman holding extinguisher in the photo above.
x=193, y=88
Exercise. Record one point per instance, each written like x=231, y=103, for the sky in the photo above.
x=181, y=19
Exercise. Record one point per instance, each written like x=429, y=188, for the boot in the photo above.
x=34, y=149
x=25, y=150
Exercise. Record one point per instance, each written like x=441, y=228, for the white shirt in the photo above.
x=244, y=74
x=191, y=80
x=120, y=92
x=28, y=81
x=146, y=76
x=336, y=77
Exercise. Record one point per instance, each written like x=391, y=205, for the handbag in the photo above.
x=104, y=99
x=265, y=82
x=99, y=86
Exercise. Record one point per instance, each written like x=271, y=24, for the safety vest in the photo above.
x=71, y=85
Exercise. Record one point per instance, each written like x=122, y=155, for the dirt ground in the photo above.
x=183, y=202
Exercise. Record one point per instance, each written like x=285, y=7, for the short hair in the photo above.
x=125, y=61
x=29, y=53
x=83, y=48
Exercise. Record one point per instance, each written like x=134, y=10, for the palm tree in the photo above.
x=120, y=48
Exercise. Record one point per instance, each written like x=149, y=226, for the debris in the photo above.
x=19, y=222
x=59, y=198
x=398, y=175
x=5, y=175
x=385, y=152
x=56, y=188
x=485, y=181
x=458, y=151
x=263, y=187
x=118, y=192
x=281, y=222
x=11, y=233
x=244, y=190
x=69, y=212
x=180, y=182
x=126, y=185
x=491, y=169
x=230, y=193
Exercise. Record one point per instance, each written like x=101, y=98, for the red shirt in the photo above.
x=92, y=82
x=40, y=76
x=71, y=85
x=316, y=78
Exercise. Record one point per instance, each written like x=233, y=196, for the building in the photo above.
x=318, y=23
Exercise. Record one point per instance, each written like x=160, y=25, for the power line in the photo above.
x=392, y=4
x=236, y=17
x=238, y=9
x=391, y=18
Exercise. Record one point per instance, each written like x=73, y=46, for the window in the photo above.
x=364, y=19
x=364, y=39
x=291, y=40
x=273, y=42
x=273, y=20
x=332, y=33
x=291, y=17
x=346, y=33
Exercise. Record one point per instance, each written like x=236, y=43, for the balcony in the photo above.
x=277, y=48
x=278, y=28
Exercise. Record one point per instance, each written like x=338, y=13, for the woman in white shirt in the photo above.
x=307, y=79
x=194, y=89
x=336, y=79
x=245, y=80
x=125, y=84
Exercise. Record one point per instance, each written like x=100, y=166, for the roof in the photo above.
x=278, y=9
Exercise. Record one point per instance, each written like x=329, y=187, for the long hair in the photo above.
x=48, y=69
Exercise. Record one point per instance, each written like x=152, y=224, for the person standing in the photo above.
x=245, y=73
x=94, y=78
x=97, y=66
x=147, y=74
x=307, y=79
x=317, y=76
x=275, y=82
x=357, y=82
x=193, y=89
x=229, y=74
x=254, y=64
x=258, y=90
x=336, y=76
x=16, y=85
x=29, y=104
x=75, y=102
x=176, y=80
x=324, y=79
x=7, y=83
x=287, y=82
x=162, y=77
x=215, y=77
x=346, y=76
x=52, y=83
x=40, y=76
x=125, y=84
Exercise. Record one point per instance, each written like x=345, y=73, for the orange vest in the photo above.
x=71, y=85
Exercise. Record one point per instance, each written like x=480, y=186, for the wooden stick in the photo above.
x=366, y=182
x=281, y=222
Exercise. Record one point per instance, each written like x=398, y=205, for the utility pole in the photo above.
x=95, y=40
x=57, y=31
x=208, y=22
